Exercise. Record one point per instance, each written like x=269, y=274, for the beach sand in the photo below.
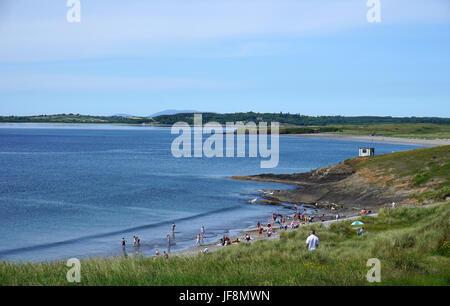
x=411, y=141
x=253, y=232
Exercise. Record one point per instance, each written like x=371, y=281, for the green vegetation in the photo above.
x=296, y=119
x=411, y=243
x=406, y=130
x=296, y=130
x=425, y=169
x=75, y=118
x=428, y=131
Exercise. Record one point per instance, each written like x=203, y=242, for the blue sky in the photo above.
x=142, y=56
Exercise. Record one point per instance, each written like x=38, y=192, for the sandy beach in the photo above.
x=253, y=232
x=411, y=141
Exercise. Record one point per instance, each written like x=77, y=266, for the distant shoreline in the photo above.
x=365, y=138
x=383, y=139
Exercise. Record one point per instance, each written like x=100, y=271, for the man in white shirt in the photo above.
x=312, y=242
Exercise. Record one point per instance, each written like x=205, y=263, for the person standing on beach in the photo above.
x=173, y=230
x=197, y=242
x=168, y=243
x=312, y=242
x=124, y=242
x=202, y=233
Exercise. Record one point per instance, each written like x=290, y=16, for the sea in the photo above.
x=74, y=191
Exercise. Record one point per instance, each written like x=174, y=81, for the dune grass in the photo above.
x=412, y=244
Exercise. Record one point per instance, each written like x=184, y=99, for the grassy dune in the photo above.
x=413, y=245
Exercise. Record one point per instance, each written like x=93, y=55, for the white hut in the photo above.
x=363, y=152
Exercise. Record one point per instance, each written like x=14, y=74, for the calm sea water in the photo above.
x=76, y=190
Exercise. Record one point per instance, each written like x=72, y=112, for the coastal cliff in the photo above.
x=420, y=175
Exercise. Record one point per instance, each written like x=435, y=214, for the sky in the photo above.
x=312, y=57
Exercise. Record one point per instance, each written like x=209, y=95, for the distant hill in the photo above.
x=172, y=112
x=123, y=115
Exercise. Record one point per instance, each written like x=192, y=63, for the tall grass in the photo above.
x=411, y=243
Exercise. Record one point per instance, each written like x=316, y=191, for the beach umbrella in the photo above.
x=357, y=223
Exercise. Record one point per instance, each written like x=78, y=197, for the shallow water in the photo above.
x=76, y=190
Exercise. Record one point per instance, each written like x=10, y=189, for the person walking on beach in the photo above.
x=124, y=242
x=166, y=256
x=312, y=242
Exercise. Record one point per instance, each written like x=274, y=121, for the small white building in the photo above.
x=363, y=152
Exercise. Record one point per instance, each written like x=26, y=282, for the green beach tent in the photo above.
x=357, y=223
